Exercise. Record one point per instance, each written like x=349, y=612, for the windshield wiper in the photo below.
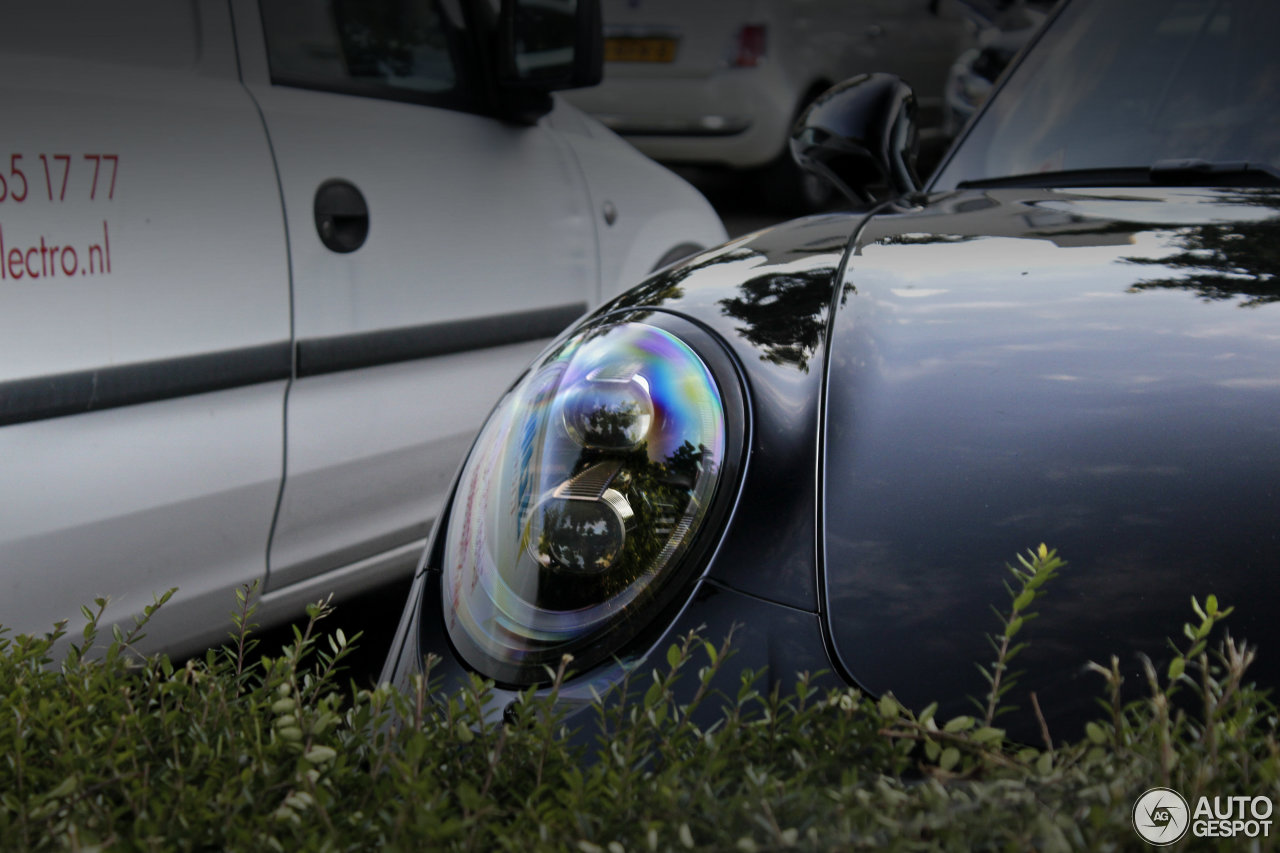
x=1162, y=173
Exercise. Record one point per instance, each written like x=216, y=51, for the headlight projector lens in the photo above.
x=611, y=409
x=582, y=525
x=581, y=499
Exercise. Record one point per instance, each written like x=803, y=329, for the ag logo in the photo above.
x=1161, y=816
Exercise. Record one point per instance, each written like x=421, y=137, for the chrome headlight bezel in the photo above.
x=627, y=623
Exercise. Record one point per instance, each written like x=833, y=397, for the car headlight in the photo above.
x=582, y=510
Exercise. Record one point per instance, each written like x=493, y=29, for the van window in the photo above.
x=395, y=49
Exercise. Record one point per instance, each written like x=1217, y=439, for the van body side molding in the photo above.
x=76, y=393
x=318, y=356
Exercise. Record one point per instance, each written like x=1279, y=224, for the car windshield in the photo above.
x=1127, y=84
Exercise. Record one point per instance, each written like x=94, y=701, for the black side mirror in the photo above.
x=861, y=135
x=548, y=45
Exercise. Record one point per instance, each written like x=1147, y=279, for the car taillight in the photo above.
x=749, y=47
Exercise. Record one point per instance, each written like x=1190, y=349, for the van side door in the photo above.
x=433, y=249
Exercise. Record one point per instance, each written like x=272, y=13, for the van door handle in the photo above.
x=342, y=216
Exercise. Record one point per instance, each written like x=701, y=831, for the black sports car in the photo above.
x=836, y=432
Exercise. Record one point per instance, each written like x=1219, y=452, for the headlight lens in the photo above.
x=580, y=501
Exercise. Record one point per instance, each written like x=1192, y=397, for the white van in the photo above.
x=265, y=265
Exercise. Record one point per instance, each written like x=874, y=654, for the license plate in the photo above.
x=624, y=49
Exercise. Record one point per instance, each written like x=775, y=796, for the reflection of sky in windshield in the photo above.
x=1127, y=84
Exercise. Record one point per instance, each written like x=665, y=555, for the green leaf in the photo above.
x=1176, y=667
x=320, y=755
x=959, y=724
x=987, y=734
x=673, y=656
x=711, y=651
x=950, y=758
x=1024, y=598
x=64, y=788
x=468, y=796
x=1095, y=733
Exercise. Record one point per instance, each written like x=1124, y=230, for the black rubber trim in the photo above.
x=56, y=396
x=318, y=356
x=76, y=393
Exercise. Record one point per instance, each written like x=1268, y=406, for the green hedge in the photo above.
x=233, y=751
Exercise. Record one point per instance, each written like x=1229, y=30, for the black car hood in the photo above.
x=1095, y=370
